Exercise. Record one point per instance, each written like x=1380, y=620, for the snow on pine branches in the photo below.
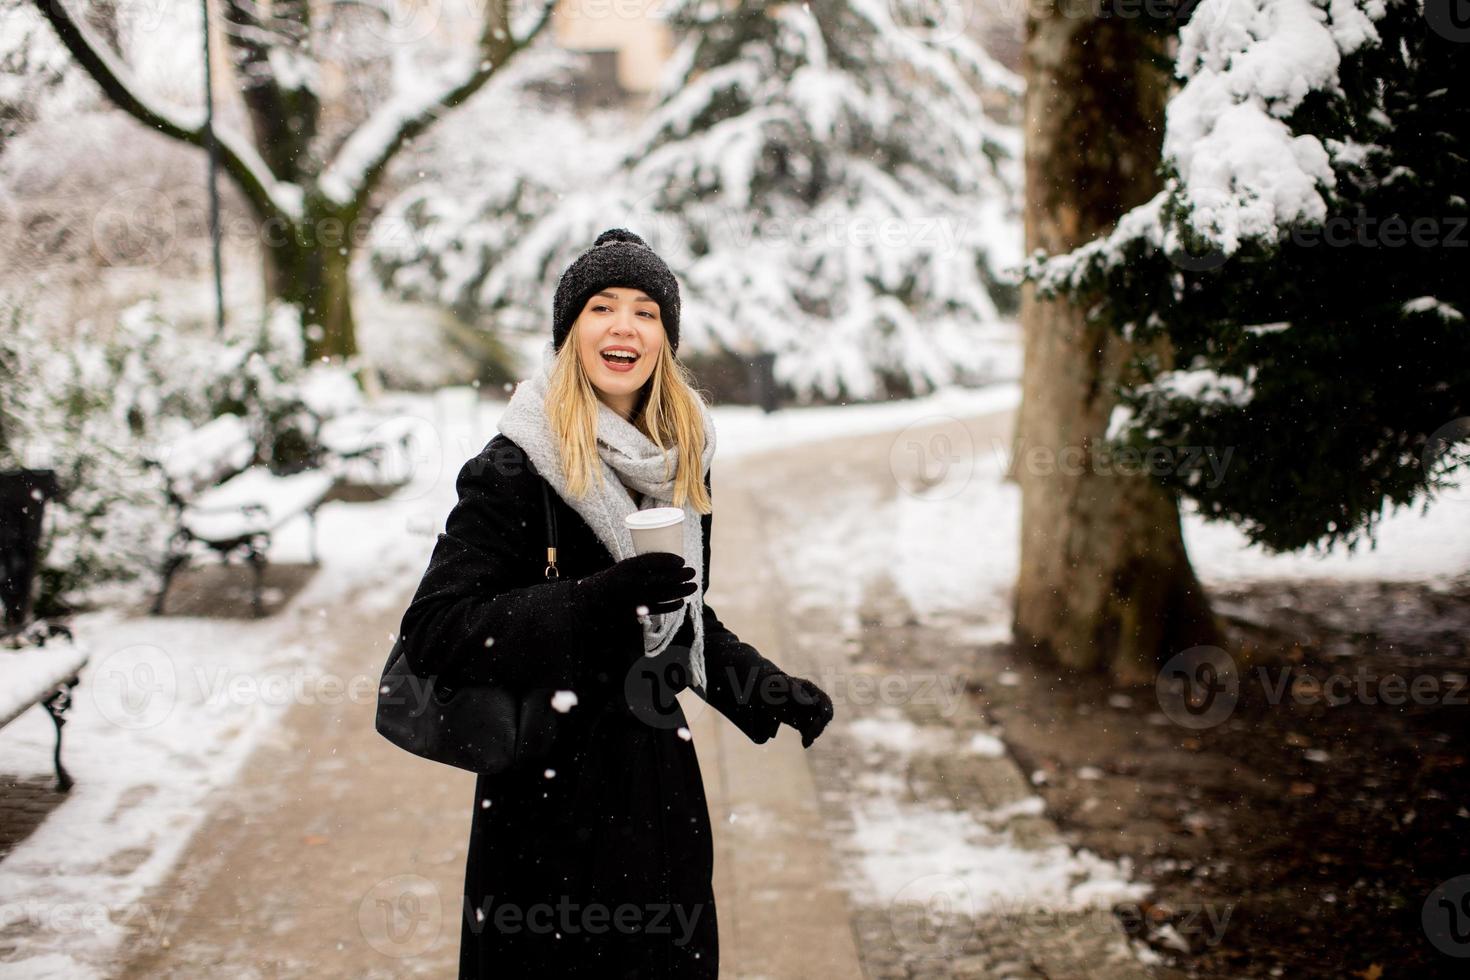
x=827, y=185
x=1306, y=255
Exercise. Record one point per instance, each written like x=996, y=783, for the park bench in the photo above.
x=33, y=668
x=225, y=505
x=352, y=439
x=348, y=433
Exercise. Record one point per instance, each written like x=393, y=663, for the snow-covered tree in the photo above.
x=1305, y=263
x=309, y=166
x=830, y=185
x=837, y=191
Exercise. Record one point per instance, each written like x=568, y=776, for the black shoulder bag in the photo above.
x=485, y=728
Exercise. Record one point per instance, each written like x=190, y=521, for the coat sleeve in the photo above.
x=483, y=612
x=733, y=669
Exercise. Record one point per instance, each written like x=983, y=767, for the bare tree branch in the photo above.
x=283, y=117
x=360, y=163
x=269, y=197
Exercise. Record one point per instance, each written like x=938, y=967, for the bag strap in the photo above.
x=551, y=570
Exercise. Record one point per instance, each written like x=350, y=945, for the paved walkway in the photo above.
x=774, y=871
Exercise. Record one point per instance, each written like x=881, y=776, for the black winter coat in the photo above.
x=602, y=867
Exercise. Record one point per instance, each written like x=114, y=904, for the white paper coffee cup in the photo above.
x=657, y=529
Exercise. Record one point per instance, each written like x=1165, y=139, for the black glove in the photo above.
x=657, y=579
x=799, y=703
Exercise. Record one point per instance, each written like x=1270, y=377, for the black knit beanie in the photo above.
x=617, y=258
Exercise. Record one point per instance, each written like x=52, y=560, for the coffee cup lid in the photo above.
x=654, y=517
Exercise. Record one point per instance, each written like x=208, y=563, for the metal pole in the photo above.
x=210, y=146
x=762, y=366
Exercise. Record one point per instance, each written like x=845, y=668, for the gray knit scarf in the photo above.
x=627, y=455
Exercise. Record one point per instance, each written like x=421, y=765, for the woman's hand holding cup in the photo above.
x=658, y=580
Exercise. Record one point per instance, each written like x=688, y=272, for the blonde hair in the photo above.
x=668, y=409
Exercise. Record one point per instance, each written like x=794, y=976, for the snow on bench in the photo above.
x=30, y=674
x=364, y=435
x=199, y=458
x=255, y=502
x=239, y=513
x=41, y=675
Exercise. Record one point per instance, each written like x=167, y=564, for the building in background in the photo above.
x=627, y=44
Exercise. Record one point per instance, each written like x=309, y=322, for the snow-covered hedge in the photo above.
x=94, y=400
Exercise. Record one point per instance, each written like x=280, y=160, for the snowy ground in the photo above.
x=953, y=545
x=945, y=537
x=917, y=851
x=169, y=708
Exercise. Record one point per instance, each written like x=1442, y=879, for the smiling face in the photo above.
x=619, y=319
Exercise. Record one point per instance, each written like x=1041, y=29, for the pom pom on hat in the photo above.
x=618, y=235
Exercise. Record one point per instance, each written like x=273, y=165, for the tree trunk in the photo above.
x=1105, y=583
x=307, y=267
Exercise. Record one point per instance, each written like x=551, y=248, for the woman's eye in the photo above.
x=603, y=306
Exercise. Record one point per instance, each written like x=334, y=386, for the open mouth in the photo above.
x=619, y=358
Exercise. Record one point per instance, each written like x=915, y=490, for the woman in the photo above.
x=596, y=863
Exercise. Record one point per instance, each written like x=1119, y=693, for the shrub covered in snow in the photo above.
x=95, y=401
x=57, y=411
